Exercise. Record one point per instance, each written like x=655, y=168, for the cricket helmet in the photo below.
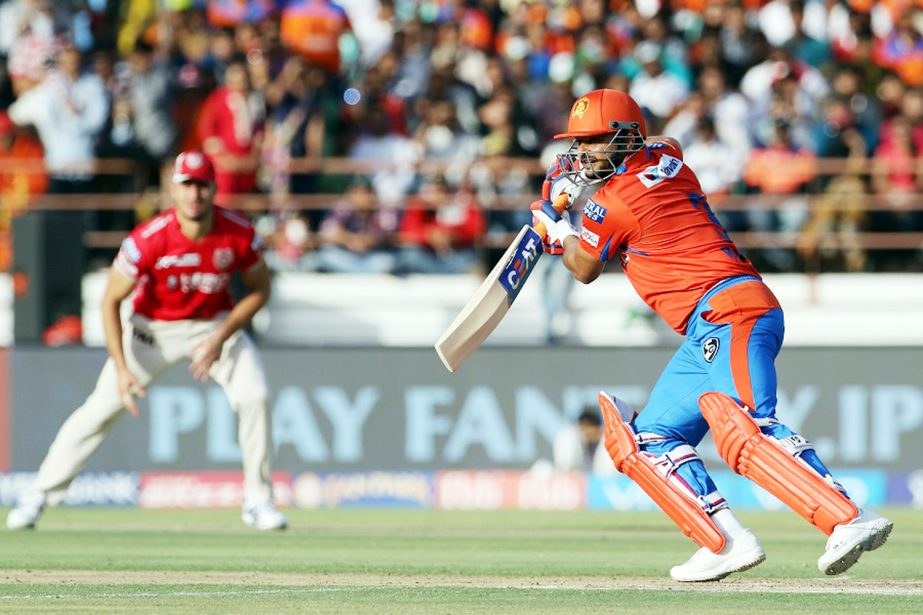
x=598, y=113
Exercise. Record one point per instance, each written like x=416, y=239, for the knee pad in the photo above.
x=656, y=475
x=774, y=464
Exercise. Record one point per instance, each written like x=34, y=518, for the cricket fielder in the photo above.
x=649, y=212
x=180, y=264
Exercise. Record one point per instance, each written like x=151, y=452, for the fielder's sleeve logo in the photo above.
x=130, y=250
x=710, y=349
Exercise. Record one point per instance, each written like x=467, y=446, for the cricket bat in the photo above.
x=493, y=298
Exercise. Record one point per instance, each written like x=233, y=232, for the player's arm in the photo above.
x=256, y=280
x=118, y=288
x=583, y=266
x=561, y=235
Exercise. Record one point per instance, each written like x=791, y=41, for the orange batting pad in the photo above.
x=757, y=457
x=688, y=515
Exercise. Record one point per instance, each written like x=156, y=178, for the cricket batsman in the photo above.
x=180, y=265
x=650, y=214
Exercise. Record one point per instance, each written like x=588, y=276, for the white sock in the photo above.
x=728, y=523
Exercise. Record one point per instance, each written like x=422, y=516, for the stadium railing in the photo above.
x=834, y=239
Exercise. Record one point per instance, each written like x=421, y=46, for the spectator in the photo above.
x=739, y=45
x=68, y=109
x=358, y=236
x=685, y=122
x=779, y=172
x=393, y=154
x=657, y=91
x=231, y=129
x=439, y=137
x=141, y=125
x=151, y=96
x=21, y=177
x=902, y=50
x=897, y=184
x=27, y=38
x=287, y=235
x=440, y=231
x=718, y=167
x=728, y=107
x=831, y=234
x=373, y=23
x=580, y=446
x=312, y=28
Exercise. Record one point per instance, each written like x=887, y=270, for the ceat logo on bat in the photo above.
x=517, y=269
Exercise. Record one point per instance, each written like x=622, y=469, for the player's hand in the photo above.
x=204, y=355
x=556, y=184
x=548, y=222
x=129, y=389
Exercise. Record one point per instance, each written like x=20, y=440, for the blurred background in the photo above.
x=387, y=151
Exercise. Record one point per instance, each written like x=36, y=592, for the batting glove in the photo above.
x=556, y=184
x=556, y=227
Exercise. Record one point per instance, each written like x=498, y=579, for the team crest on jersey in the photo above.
x=594, y=211
x=580, y=108
x=223, y=257
x=710, y=349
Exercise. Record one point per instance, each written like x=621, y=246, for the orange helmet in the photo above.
x=601, y=112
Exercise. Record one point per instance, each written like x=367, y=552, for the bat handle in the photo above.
x=560, y=204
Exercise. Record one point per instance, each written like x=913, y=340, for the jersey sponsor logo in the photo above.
x=517, y=269
x=178, y=260
x=208, y=283
x=710, y=348
x=594, y=211
x=130, y=250
x=667, y=167
x=223, y=257
x=590, y=237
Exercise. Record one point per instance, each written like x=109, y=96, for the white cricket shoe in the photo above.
x=846, y=544
x=741, y=553
x=27, y=511
x=264, y=517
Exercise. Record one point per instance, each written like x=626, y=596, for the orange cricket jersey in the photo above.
x=653, y=215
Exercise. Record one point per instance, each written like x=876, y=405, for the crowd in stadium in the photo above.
x=440, y=102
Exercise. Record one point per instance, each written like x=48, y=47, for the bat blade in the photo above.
x=491, y=301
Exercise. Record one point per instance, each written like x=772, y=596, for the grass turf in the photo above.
x=397, y=561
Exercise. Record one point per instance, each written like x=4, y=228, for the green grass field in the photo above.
x=391, y=561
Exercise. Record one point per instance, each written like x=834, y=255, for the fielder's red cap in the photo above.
x=193, y=166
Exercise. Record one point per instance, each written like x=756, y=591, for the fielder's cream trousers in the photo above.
x=151, y=348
